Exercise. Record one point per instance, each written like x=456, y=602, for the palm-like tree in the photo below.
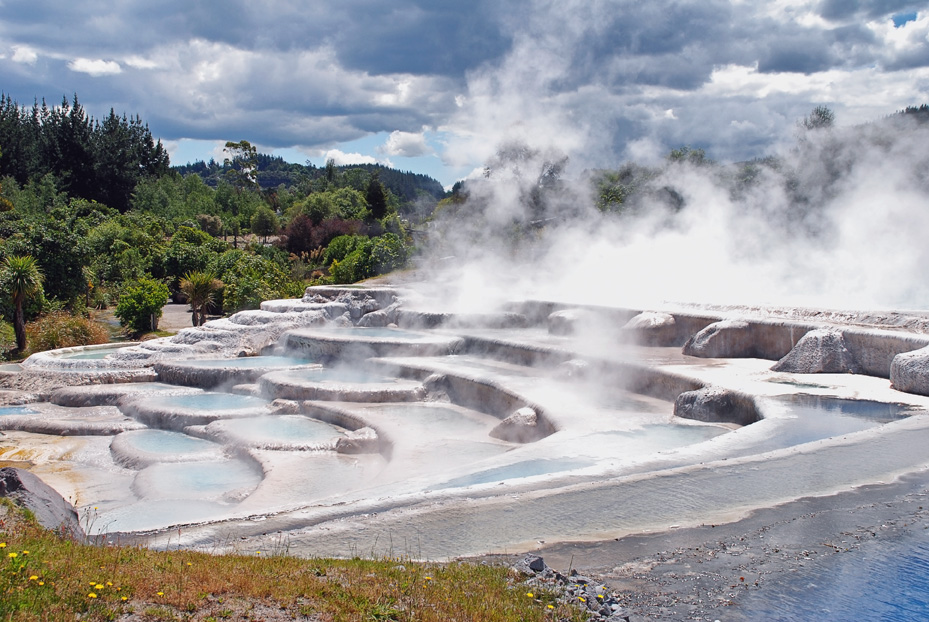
x=200, y=289
x=23, y=279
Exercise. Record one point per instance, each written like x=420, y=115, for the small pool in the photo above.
x=94, y=353
x=16, y=410
x=249, y=362
x=212, y=401
x=377, y=333
x=220, y=480
x=283, y=429
x=517, y=470
x=167, y=442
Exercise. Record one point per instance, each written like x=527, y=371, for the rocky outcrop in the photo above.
x=652, y=329
x=716, y=405
x=727, y=338
x=523, y=426
x=820, y=351
x=361, y=441
x=50, y=509
x=909, y=372
x=567, y=321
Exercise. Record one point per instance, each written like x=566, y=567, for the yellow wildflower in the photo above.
x=161, y=593
x=99, y=586
x=2, y=545
x=91, y=595
x=13, y=555
x=34, y=578
x=530, y=594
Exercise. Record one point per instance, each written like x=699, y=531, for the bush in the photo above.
x=60, y=329
x=389, y=253
x=140, y=304
x=7, y=339
x=340, y=247
x=355, y=267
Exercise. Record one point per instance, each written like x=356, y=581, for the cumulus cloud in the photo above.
x=406, y=144
x=95, y=67
x=340, y=158
x=24, y=54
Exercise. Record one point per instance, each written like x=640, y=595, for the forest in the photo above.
x=93, y=216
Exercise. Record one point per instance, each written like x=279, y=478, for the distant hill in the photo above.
x=273, y=171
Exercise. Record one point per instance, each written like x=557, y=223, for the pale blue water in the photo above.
x=16, y=410
x=889, y=582
x=92, y=354
x=213, y=401
x=339, y=374
x=250, y=362
x=197, y=480
x=518, y=470
x=378, y=333
x=166, y=442
x=283, y=428
x=448, y=422
x=814, y=418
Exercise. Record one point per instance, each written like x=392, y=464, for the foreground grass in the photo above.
x=46, y=576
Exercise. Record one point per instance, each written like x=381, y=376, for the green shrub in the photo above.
x=61, y=329
x=140, y=304
x=340, y=247
x=389, y=253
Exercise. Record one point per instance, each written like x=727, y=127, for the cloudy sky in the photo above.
x=433, y=86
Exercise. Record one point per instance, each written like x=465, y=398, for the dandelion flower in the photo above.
x=99, y=586
x=41, y=582
x=583, y=600
x=2, y=545
x=599, y=595
x=428, y=578
x=13, y=555
x=91, y=595
x=189, y=564
x=34, y=578
x=110, y=583
x=25, y=552
x=161, y=593
x=124, y=598
x=530, y=594
x=551, y=606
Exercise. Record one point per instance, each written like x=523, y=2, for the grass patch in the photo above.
x=49, y=576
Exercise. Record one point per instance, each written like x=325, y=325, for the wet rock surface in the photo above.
x=715, y=404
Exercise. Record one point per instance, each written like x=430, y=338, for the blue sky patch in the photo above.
x=901, y=18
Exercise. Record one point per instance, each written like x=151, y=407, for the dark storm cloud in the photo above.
x=848, y=9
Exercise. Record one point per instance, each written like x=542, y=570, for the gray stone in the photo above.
x=531, y=564
x=567, y=321
x=716, y=405
x=50, y=508
x=520, y=427
x=909, y=371
x=652, y=328
x=361, y=441
x=820, y=351
x=727, y=338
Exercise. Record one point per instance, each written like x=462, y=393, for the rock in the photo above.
x=361, y=441
x=909, y=371
x=566, y=321
x=50, y=508
x=714, y=404
x=531, y=564
x=520, y=427
x=652, y=328
x=727, y=338
x=820, y=351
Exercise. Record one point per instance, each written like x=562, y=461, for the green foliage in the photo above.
x=7, y=339
x=697, y=157
x=356, y=266
x=375, y=196
x=251, y=279
x=140, y=305
x=200, y=289
x=60, y=329
x=340, y=247
x=21, y=279
x=389, y=253
x=264, y=222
